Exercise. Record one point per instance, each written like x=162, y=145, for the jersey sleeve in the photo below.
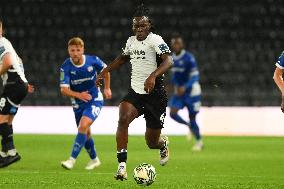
x=159, y=45
x=280, y=61
x=64, y=76
x=3, y=51
x=192, y=65
x=99, y=64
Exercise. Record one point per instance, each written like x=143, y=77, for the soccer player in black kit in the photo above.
x=150, y=58
x=15, y=88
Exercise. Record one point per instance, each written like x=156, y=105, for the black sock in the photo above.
x=7, y=141
x=2, y=130
x=11, y=137
x=122, y=156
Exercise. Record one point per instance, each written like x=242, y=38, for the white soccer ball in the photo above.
x=144, y=174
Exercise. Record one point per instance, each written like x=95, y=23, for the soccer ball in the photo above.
x=144, y=174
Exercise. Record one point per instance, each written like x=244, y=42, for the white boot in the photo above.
x=93, y=163
x=121, y=173
x=198, y=146
x=68, y=164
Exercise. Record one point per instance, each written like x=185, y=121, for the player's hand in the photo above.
x=181, y=91
x=84, y=96
x=108, y=93
x=100, y=77
x=282, y=104
x=31, y=88
x=149, y=84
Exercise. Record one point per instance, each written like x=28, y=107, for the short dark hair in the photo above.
x=141, y=10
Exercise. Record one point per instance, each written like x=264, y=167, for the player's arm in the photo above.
x=84, y=96
x=167, y=62
x=107, y=90
x=65, y=86
x=6, y=63
x=181, y=89
x=278, y=79
x=120, y=60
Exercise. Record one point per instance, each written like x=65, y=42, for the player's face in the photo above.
x=76, y=53
x=177, y=45
x=141, y=27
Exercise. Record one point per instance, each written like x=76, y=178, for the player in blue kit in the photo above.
x=187, y=91
x=77, y=81
x=278, y=79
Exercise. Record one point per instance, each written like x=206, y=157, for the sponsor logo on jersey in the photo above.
x=79, y=81
x=73, y=72
x=137, y=52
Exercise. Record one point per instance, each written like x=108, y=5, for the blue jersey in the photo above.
x=185, y=72
x=82, y=78
x=280, y=61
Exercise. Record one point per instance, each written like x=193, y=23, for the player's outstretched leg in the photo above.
x=127, y=113
x=79, y=142
x=95, y=161
x=155, y=141
x=195, y=130
x=175, y=116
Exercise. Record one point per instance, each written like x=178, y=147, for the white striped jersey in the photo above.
x=144, y=57
x=16, y=72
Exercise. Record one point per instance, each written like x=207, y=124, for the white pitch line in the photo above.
x=101, y=173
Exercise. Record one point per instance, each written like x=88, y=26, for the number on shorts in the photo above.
x=96, y=110
x=2, y=102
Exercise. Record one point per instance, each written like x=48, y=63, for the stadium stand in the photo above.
x=235, y=43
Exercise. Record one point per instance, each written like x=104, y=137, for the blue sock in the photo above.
x=177, y=118
x=194, y=127
x=78, y=144
x=90, y=147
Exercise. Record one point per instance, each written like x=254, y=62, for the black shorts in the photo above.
x=11, y=98
x=152, y=105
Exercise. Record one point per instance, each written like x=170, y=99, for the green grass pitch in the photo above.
x=226, y=162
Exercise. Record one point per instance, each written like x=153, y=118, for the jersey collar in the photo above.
x=180, y=55
x=79, y=66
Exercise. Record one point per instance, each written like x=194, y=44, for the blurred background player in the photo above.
x=187, y=91
x=77, y=81
x=150, y=58
x=15, y=90
x=278, y=79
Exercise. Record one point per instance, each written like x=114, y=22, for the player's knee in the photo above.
x=83, y=128
x=123, y=121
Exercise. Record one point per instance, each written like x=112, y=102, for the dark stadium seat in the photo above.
x=235, y=43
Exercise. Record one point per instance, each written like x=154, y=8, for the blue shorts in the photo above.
x=90, y=110
x=192, y=103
